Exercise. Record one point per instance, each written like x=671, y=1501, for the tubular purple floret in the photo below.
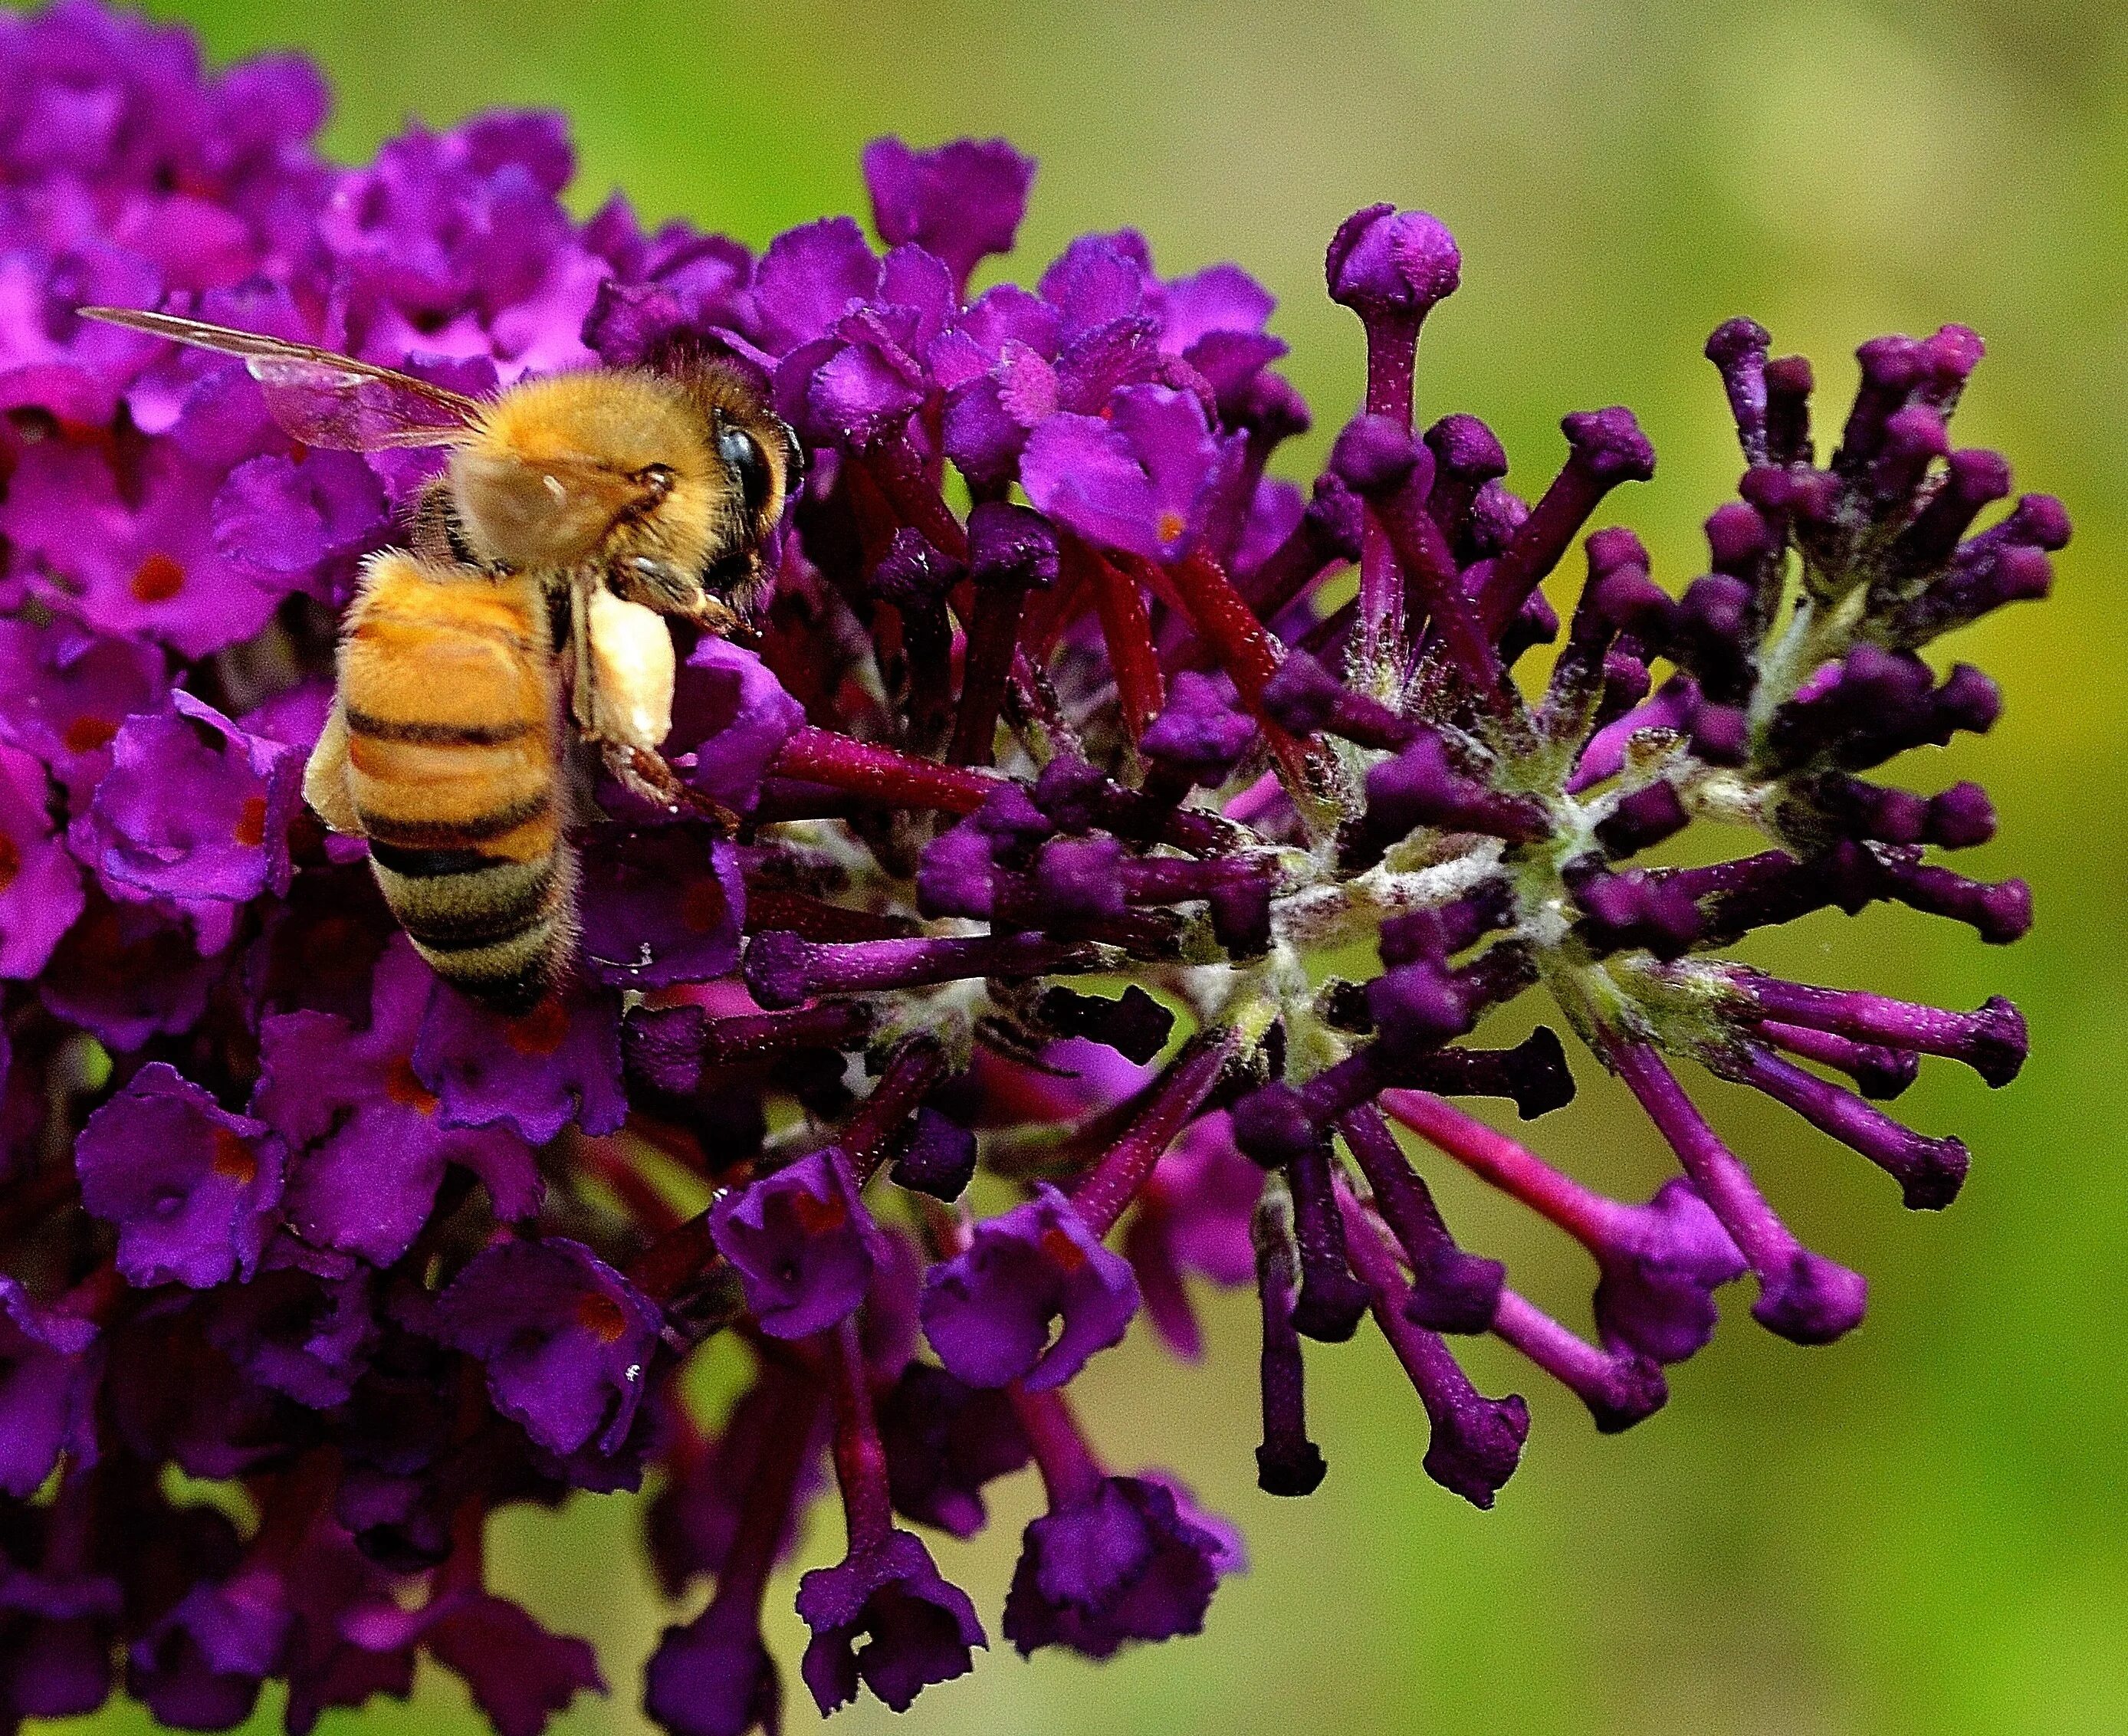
x=1451, y=1291
x=1621, y=1388
x=1660, y=1262
x=1992, y=1040
x=1010, y=552
x=1738, y=350
x=1880, y=1073
x=1914, y=438
x=1643, y=819
x=1971, y=479
x=1391, y=267
x=1124, y=1168
x=782, y=969
x=1466, y=456
x=1331, y=1300
x=1439, y=933
x=1305, y=698
x=1606, y=448
x=1288, y=1462
x=1739, y=539
x=1421, y=787
x=1999, y=912
x=1802, y=1296
x=1789, y=383
x=1327, y=536
x=1891, y=367
x=1929, y=1171
x=1477, y=1441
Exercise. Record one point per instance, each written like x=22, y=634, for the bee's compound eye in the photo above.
x=742, y=452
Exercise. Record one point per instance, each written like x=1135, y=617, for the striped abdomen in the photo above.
x=452, y=705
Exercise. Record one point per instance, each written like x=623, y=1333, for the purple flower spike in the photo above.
x=47, y=1390
x=566, y=1340
x=961, y=202
x=989, y=1310
x=917, y=1629
x=803, y=1243
x=1039, y=679
x=191, y=1187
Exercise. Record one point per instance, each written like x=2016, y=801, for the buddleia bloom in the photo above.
x=1060, y=769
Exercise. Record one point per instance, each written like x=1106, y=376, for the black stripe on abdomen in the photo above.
x=448, y=835
x=427, y=865
x=460, y=900
x=435, y=735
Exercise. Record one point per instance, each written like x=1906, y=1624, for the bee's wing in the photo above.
x=320, y=398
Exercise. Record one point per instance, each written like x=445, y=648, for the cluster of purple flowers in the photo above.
x=1049, y=688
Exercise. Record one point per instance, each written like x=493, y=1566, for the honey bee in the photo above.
x=576, y=511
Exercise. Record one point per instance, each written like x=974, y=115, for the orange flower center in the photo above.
x=157, y=579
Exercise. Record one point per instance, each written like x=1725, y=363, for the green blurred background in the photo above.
x=1918, y=1529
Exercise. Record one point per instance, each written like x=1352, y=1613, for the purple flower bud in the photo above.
x=1477, y=1441
x=1738, y=349
x=782, y=969
x=1802, y=1296
x=1451, y=1291
x=939, y=1159
x=1929, y=1171
x=1200, y=736
x=1383, y=260
x=1033, y=1296
x=1420, y=787
x=945, y=1440
x=1375, y=455
x=715, y=1677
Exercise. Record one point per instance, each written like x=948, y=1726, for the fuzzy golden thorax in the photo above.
x=613, y=469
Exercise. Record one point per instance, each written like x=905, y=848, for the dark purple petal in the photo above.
x=803, y=1243
x=915, y=1628
x=191, y=1187
x=566, y=1338
x=989, y=1311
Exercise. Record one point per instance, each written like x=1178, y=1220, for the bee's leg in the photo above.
x=645, y=776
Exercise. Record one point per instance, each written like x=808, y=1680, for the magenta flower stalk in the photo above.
x=1052, y=772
